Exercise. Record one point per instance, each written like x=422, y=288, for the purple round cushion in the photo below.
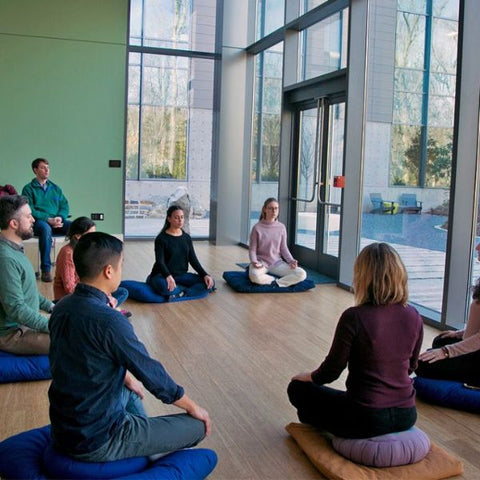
x=389, y=450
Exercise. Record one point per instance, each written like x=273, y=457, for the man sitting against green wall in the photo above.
x=50, y=210
x=23, y=330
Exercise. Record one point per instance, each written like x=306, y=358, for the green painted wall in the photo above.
x=62, y=97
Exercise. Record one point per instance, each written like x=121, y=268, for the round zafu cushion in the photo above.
x=57, y=465
x=391, y=450
x=23, y=456
x=447, y=393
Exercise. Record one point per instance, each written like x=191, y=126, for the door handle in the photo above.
x=320, y=152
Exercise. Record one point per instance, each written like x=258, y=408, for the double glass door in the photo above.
x=317, y=183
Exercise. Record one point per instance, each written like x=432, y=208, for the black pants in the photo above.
x=331, y=410
x=465, y=368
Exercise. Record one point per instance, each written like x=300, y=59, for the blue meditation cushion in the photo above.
x=190, y=464
x=23, y=368
x=240, y=282
x=447, y=393
x=21, y=455
x=29, y=456
x=142, y=292
x=57, y=465
x=391, y=450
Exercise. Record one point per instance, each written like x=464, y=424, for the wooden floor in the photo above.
x=234, y=354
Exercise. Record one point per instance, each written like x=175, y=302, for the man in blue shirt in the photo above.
x=96, y=359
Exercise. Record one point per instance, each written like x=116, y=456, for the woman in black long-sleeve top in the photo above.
x=173, y=253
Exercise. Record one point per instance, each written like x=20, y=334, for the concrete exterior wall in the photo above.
x=376, y=172
x=380, y=60
x=153, y=194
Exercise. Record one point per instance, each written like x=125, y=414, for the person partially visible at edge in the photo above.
x=7, y=189
x=270, y=259
x=174, y=252
x=23, y=329
x=66, y=277
x=50, y=209
x=99, y=369
x=455, y=354
x=379, y=340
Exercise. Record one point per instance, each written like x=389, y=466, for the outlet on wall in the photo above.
x=96, y=216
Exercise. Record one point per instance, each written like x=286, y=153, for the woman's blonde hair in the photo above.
x=379, y=276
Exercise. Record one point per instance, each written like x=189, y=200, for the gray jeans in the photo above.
x=25, y=341
x=141, y=436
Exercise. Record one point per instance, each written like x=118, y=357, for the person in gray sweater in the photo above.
x=23, y=329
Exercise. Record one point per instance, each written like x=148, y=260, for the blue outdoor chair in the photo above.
x=381, y=206
x=409, y=203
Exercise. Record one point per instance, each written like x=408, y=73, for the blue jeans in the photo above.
x=121, y=294
x=141, y=436
x=44, y=232
x=189, y=283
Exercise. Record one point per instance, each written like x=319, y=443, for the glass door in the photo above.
x=318, y=181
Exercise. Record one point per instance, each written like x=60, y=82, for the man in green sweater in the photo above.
x=50, y=210
x=23, y=330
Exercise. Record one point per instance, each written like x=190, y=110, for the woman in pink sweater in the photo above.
x=270, y=258
x=455, y=354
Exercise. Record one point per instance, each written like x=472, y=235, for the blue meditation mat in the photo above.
x=317, y=278
x=447, y=393
x=240, y=282
x=142, y=292
x=23, y=368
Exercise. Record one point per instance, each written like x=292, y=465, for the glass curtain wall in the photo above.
x=409, y=149
x=307, y=5
x=270, y=16
x=323, y=46
x=265, y=151
x=476, y=245
x=320, y=48
x=411, y=98
x=170, y=114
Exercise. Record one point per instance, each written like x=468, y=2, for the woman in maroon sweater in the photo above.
x=379, y=340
